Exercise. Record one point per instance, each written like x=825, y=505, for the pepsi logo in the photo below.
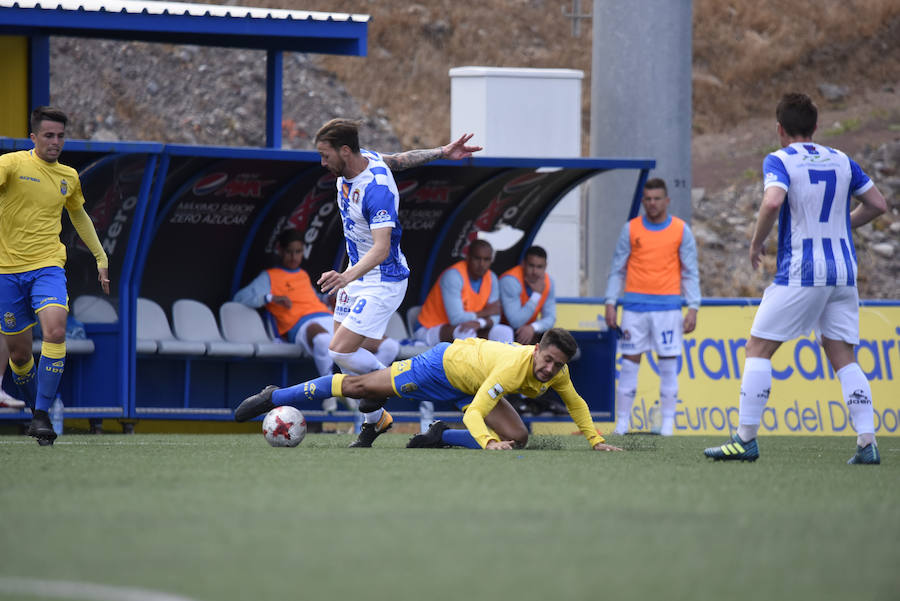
x=406, y=187
x=209, y=183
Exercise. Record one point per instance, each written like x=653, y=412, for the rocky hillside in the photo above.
x=196, y=94
x=745, y=55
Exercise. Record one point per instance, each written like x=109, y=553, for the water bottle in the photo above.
x=56, y=415
x=357, y=421
x=655, y=418
x=426, y=415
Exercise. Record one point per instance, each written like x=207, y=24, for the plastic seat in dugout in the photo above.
x=243, y=324
x=195, y=322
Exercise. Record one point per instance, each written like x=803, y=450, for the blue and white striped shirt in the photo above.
x=815, y=247
x=367, y=202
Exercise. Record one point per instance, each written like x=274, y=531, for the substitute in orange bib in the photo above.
x=465, y=302
x=656, y=258
x=528, y=298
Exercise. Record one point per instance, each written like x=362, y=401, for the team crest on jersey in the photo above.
x=381, y=216
x=9, y=320
x=63, y=187
x=355, y=197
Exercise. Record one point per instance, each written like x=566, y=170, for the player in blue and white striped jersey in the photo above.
x=808, y=188
x=372, y=287
x=815, y=247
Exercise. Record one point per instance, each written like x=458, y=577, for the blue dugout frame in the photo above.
x=154, y=201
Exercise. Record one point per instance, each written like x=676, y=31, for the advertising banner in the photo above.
x=202, y=228
x=502, y=211
x=110, y=184
x=806, y=396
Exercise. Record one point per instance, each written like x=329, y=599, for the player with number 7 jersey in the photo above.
x=815, y=247
x=807, y=189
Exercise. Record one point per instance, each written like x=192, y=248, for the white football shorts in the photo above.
x=365, y=308
x=788, y=312
x=657, y=331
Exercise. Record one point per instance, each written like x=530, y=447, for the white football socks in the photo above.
x=755, y=386
x=359, y=361
x=387, y=351
x=461, y=332
x=668, y=393
x=858, y=397
x=627, y=388
x=502, y=333
x=320, y=354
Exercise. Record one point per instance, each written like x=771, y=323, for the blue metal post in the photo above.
x=273, y=98
x=132, y=269
x=638, y=194
x=39, y=80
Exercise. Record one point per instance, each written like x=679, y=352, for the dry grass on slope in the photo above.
x=748, y=52
x=745, y=53
x=413, y=46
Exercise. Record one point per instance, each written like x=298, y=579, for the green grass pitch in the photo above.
x=226, y=517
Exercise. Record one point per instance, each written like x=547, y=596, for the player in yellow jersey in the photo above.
x=34, y=189
x=474, y=373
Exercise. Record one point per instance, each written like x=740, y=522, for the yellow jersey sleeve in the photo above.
x=85, y=228
x=495, y=385
x=578, y=408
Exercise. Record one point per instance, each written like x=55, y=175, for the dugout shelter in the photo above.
x=196, y=223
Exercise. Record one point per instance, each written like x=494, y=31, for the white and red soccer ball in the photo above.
x=284, y=426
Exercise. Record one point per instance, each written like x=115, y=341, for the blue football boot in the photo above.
x=735, y=450
x=867, y=455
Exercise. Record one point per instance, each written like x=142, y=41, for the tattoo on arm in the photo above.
x=411, y=158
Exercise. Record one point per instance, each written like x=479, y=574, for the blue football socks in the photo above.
x=49, y=373
x=26, y=382
x=460, y=438
x=317, y=389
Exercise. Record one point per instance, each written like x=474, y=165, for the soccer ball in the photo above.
x=284, y=426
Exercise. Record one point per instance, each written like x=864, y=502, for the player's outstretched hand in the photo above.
x=690, y=321
x=756, y=255
x=331, y=282
x=491, y=308
x=284, y=301
x=103, y=278
x=602, y=446
x=611, y=316
x=499, y=445
x=525, y=334
x=459, y=150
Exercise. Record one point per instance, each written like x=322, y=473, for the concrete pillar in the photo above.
x=640, y=107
